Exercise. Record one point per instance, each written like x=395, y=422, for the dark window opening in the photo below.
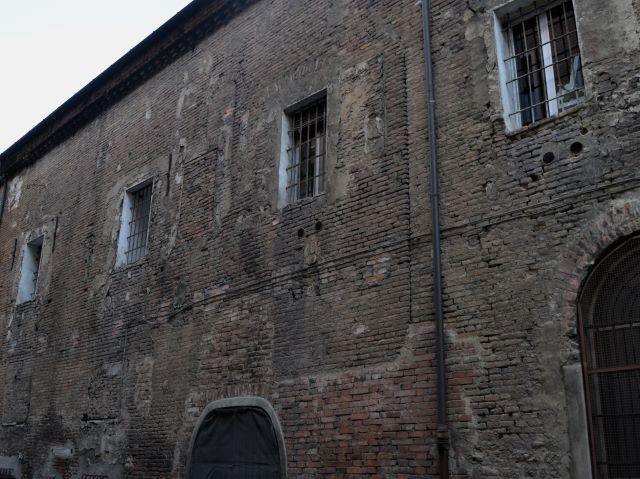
x=236, y=443
x=610, y=319
x=139, y=203
x=6, y=473
x=306, y=153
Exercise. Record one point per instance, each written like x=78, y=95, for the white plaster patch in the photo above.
x=373, y=130
x=184, y=93
x=475, y=29
x=360, y=329
x=15, y=192
x=148, y=113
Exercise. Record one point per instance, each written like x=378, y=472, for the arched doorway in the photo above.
x=237, y=438
x=609, y=310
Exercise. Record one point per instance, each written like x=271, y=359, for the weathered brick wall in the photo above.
x=520, y=234
x=315, y=307
x=323, y=308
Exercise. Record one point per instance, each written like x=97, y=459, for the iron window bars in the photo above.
x=306, y=152
x=543, y=64
x=138, y=227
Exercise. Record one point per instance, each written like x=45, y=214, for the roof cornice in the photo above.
x=173, y=39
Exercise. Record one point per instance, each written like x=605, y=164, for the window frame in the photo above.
x=31, y=265
x=551, y=104
x=124, y=233
x=291, y=157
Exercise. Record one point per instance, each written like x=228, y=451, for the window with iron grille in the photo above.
x=539, y=61
x=134, y=227
x=30, y=271
x=609, y=308
x=306, y=149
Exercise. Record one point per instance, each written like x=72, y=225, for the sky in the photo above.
x=50, y=49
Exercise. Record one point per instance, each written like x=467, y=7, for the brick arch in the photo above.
x=608, y=226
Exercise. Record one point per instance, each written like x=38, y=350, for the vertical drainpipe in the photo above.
x=443, y=424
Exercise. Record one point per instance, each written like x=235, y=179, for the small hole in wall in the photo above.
x=300, y=233
x=576, y=148
x=548, y=158
x=318, y=225
x=534, y=177
x=584, y=131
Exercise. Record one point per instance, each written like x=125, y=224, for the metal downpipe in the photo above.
x=443, y=423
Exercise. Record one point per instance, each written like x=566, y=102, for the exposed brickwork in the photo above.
x=324, y=308
x=309, y=306
x=520, y=234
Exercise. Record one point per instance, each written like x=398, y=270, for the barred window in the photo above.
x=540, y=63
x=134, y=227
x=6, y=473
x=306, y=150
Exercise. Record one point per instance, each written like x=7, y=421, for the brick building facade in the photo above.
x=240, y=289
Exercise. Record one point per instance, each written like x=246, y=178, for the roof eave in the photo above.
x=178, y=35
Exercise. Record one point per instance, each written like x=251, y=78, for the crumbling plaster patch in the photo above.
x=15, y=192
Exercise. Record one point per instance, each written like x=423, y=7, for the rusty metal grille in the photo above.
x=305, y=171
x=139, y=223
x=544, y=66
x=6, y=473
x=610, y=319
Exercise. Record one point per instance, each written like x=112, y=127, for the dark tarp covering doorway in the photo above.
x=236, y=443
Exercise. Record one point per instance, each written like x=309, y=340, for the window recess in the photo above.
x=30, y=271
x=134, y=225
x=539, y=62
x=305, y=154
